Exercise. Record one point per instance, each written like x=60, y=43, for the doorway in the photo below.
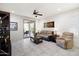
x=29, y=29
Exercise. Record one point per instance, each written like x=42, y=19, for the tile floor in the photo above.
x=26, y=48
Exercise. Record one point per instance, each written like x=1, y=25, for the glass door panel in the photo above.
x=32, y=29
x=26, y=30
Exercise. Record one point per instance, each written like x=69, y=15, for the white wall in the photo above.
x=40, y=25
x=16, y=35
x=67, y=21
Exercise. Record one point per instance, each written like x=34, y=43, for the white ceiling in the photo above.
x=47, y=9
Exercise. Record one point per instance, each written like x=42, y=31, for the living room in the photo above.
x=64, y=19
x=63, y=22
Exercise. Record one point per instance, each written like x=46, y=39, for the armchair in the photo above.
x=65, y=41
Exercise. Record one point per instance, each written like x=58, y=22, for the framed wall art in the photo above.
x=13, y=26
x=49, y=24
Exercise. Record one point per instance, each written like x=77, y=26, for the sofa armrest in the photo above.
x=60, y=38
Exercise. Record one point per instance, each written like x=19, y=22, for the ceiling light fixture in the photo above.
x=12, y=11
x=58, y=9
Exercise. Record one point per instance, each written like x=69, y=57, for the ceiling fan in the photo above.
x=36, y=13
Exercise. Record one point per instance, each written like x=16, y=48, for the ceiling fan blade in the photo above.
x=35, y=12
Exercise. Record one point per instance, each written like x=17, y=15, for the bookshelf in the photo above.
x=5, y=43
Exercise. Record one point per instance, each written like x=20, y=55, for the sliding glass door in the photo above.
x=32, y=29
x=29, y=29
x=26, y=30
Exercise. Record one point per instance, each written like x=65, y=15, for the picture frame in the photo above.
x=13, y=26
x=49, y=24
